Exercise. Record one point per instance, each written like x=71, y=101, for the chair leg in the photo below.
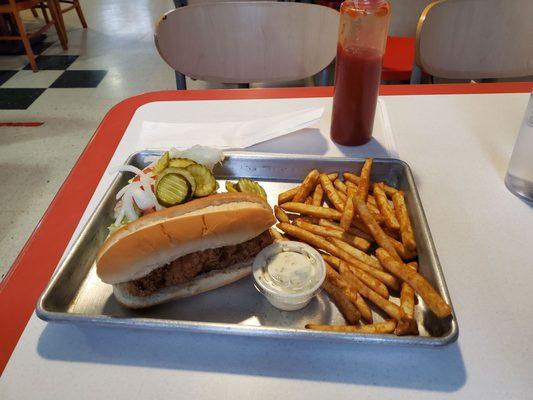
x=322, y=78
x=25, y=41
x=80, y=14
x=181, y=83
x=57, y=16
x=45, y=13
x=416, y=75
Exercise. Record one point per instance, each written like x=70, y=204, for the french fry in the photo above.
x=384, y=207
x=356, y=253
x=406, y=230
x=307, y=186
x=323, y=231
x=310, y=220
x=364, y=309
x=333, y=175
x=368, y=280
x=379, y=236
x=389, y=308
x=347, y=213
x=288, y=195
x=351, y=293
x=407, y=325
x=340, y=186
x=281, y=215
x=371, y=200
x=377, y=328
x=344, y=199
x=364, y=180
x=345, y=306
x=318, y=196
x=421, y=286
x=374, y=209
x=312, y=211
x=352, y=230
x=407, y=301
x=342, y=196
x=275, y=234
x=350, y=184
x=358, y=223
x=309, y=200
x=349, y=177
x=375, y=284
x=323, y=244
x=382, y=276
x=402, y=251
x=331, y=193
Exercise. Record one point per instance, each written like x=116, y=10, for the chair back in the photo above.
x=405, y=15
x=476, y=39
x=248, y=42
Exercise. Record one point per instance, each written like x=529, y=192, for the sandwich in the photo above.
x=186, y=249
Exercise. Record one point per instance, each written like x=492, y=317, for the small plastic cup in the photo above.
x=284, y=286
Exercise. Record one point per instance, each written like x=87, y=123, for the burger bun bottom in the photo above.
x=202, y=283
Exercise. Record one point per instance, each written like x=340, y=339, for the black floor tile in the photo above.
x=16, y=48
x=79, y=79
x=18, y=99
x=53, y=62
x=5, y=75
x=37, y=48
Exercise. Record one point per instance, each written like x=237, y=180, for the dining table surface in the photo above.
x=457, y=140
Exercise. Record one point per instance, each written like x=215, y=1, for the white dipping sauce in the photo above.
x=289, y=274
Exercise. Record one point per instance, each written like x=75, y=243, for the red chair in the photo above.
x=399, y=59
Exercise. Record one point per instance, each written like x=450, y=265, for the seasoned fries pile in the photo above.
x=364, y=233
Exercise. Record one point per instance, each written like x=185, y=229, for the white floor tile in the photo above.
x=13, y=62
x=16, y=227
x=30, y=79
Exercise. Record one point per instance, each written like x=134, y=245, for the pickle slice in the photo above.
x=205, y=181
x=230, y=187
x=181, y=162
x=185, y=174
x=162, y=163
x=247, y=185
x=172, y=189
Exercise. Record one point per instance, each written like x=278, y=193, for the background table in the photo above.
x=458, y=147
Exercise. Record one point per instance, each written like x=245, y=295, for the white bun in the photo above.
x=159, y=238
x=202, y=283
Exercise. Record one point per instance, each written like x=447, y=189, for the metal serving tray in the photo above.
x=75, y=294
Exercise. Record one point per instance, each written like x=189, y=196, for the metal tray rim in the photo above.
x=260, y=331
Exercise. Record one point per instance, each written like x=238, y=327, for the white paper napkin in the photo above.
x=226, y=135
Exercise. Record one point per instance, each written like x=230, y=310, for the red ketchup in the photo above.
x=361, y=44
x=357, y=77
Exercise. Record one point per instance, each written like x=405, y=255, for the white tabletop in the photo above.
x=458, y=147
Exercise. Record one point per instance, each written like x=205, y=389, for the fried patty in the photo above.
x=186, y=268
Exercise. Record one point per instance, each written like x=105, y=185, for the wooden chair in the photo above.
x=73, y=5
x=14, y=8
x=476, y=39
x=248, y=42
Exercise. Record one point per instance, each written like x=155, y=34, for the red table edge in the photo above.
x=37, y=261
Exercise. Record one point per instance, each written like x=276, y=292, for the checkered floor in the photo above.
x=20, y=88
